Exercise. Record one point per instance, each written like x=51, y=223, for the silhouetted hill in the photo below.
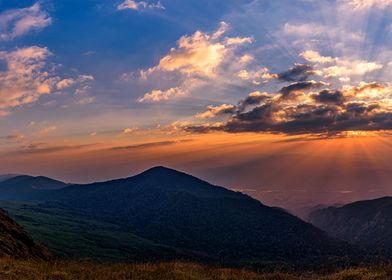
x=366, y=223
x=185, y=217
x=16, y=243
x=178, y=210
x=304, y=212
x=5, y=177
x=23, y=187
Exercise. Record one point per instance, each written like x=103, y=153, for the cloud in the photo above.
x=366, y=4
x=316, y=30
x=297, y=109
x=316, y=57
x=45, y=131
x=26, y=77
x=258, y=76
x=18, y=22
x=328, y=118
x=151, y=145
x=139, y=5
x=12, y=138
x=24, y=80
x=159, y=95
x=66, y=83
x=290, y=90
x=299, y=72
x=347, y=68
x=129, y=130
x=45, y=148
x=329, y=96
x=340, y=67
x=86, y=100
x=200, y=53
x=214, y=111
x=197, y=59
x=254, y=98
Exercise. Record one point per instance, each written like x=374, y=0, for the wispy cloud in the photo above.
x=139, y=5
x=45, y=131
x=366, y=4
x=18, y=22
x=45, y=148
x=151, y=144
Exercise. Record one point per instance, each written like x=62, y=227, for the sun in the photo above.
x=354, y=133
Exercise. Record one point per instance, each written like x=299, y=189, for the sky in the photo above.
x=288, y=101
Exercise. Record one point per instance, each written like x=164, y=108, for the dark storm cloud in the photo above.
x=264, y=112
x=329, y=96
x=323, y=119
x=299, y=86
x=296, y=110
x=254, y=99
x=299, y=119
x=297, y=73
x=360, y=108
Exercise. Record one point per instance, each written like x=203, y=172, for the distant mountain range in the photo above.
x=24, y=187
x=364, y=223
x=197, y=220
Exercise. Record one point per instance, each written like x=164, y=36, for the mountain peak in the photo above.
x=160, y=168
x=164, y=172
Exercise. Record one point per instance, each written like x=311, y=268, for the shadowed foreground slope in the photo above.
x=10, y=270
x=16, y=243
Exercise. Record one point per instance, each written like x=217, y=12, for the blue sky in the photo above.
x=99, y=39
x=92, y=76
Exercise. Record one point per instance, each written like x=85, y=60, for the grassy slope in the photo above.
x=74, y=236
x=69, y=235
x=29, y=270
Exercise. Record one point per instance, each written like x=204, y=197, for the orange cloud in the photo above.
x=24, y=81
x=159, y=95
x=196, y=59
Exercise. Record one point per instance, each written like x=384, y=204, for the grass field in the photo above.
x=30, y=270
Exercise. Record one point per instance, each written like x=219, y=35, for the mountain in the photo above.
x=7, y=176
x=16, y=243
x=178, y=214
x=304, y=212
x=207, y=222
x=25, y=187
x=366, y=223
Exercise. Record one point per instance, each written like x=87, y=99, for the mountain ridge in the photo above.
x=208, y=222
x=367, y=223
